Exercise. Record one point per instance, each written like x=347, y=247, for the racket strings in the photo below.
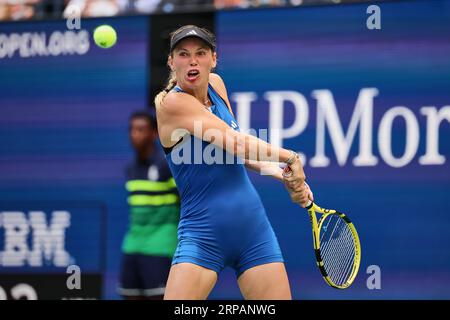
x=336, y=256
x=337, y=249
x=336, y=261
x=329, y=247
x=346, y=260
x=343, y=256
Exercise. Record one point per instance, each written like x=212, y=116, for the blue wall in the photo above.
x=400, y=212
x=64, y=135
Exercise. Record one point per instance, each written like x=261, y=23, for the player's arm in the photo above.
x=295, y=187
x=181, y=113
x=264, y=168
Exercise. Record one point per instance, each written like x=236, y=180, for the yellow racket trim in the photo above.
x=316, y=227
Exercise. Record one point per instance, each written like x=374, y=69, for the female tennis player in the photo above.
x=222, y=219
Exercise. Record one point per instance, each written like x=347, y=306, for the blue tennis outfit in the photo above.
x=222, y=219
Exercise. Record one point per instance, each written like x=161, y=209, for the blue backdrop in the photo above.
x=63, y=133
x=399, y=209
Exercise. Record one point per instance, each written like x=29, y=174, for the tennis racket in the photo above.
x=336, y=244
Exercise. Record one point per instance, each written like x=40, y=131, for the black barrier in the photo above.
x=50, y=287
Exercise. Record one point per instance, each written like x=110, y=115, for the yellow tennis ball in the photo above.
x=105, y=36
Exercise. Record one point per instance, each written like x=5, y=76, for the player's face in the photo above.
x=192, y=61
x=141, y=134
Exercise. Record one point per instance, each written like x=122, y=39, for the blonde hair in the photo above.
x=172, y=81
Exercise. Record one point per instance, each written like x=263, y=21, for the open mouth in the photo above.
x=193, y=75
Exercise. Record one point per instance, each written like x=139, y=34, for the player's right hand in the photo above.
x=299, y=194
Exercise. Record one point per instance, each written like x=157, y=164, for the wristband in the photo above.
x=292, y=158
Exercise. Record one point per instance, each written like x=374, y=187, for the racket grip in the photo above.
x=287, y=172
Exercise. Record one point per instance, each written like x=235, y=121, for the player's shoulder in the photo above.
x=217, y=82
x=219, y=85
x=176, y=102
x=215, y=78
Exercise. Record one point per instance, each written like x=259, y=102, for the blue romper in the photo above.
x=222, y=219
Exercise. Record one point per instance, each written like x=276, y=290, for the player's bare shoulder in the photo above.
x=218, y=83
x=178, y=109
x=168, y=115
x=170, y=102
x=175, y=104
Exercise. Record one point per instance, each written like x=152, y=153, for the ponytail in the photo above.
x=170, y=85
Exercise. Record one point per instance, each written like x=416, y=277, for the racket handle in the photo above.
x=287, y=172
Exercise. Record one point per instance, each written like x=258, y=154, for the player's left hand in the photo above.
x=299, y=193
